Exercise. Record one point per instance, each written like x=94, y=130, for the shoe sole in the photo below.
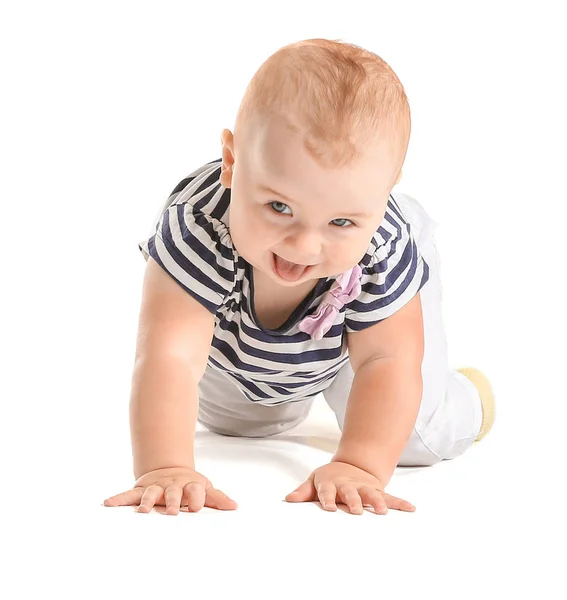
x=480, y=381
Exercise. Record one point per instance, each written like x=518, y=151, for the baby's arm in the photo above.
x=174, y=339
x=172, y=348
x=386, y=391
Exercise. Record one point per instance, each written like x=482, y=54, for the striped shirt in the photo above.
x=191, y=241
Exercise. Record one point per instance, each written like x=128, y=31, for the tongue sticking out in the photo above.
x=288, y=270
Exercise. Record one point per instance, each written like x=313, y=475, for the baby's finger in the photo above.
x=194, y=492
x=217, y=499
x=327, y=493
x=398, y=503
x=152, y=494
x=125, y=498
x=374, y=498
x=350, y=496
x=173, y=495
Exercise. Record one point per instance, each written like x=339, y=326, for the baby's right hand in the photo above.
x=173, y=487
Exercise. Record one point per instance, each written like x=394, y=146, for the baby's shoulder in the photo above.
x=409, y=214
x=198, y=187
x=202, y=195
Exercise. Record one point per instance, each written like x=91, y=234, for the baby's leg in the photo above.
x=224, y=409
x=450, y=414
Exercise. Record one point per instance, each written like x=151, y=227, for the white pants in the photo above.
x=450, y=414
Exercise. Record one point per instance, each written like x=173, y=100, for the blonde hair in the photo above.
x=338, y=96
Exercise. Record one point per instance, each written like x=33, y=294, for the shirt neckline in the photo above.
x=297, y=313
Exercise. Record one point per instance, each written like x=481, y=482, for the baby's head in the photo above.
x=319, y=141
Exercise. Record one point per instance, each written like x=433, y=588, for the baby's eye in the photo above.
x=344, y=220
x=280, y=208
x=277, y=208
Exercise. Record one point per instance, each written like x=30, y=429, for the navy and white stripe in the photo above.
x=393, y=274
x=191, y=241
x=194, y=247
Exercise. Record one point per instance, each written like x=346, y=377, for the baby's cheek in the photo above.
x=262, y=229
x=351, y=253
x=255, y=233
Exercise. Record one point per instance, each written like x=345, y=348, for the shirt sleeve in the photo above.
x=394, y=275
x=196, y=250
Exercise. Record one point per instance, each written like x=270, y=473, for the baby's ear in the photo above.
x=226, y=176
x=226, y=136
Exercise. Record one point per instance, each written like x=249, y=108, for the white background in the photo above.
x=106, y=106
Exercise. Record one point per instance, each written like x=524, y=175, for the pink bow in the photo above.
x=345, y=288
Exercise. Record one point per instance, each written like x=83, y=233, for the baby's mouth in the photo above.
x=288, y=270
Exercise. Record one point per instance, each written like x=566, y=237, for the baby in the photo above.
x=286, y=269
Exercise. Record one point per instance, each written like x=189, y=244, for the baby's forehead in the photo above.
x=289, y=158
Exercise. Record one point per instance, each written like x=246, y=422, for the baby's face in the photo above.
x=285, y=208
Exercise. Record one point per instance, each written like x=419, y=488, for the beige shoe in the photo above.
x=486, y=397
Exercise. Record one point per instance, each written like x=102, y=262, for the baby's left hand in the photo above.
x=351, y=486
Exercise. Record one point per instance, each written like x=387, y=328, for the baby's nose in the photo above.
x=307, y=247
